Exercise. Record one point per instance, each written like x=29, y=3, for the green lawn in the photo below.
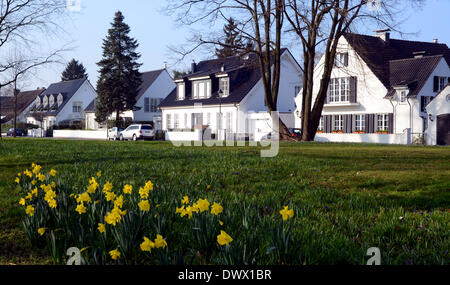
x=346, y=197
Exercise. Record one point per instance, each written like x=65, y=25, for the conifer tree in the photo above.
x=233, y=43
x=74, y=70
x=119, y=79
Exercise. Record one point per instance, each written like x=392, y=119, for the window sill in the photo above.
x=340, y=104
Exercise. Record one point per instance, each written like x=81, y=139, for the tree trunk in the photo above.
x=117, y=119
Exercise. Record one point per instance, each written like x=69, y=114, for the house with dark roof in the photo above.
x=220, y=95
x=25, y=101
x=62, y=103
x=380, y=88
x=156, y=85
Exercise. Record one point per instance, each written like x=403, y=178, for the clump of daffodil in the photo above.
x=203, y=205
x=128, y=189
x=216, y=209
x=115, y=216
x=147, y=245
x=224, y=238
x=160, y=242
x=101, y=228
x=81, y=209
x=287, y=213
x=144, y=205
x=118, y=203
x=29, y=210
x=41, y=231
x=107, y=187
x=115, y=254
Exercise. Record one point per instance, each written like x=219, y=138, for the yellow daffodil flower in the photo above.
x=185, y=200
x=224, y=238
x=41, y=231
x=286, y=213
x=147, y=245
x=203, y=205
x=144, y=205
x=127, y=189
x=29, y=210
x=53, y=172
x=216, y=209
x=160, y=242
x=81, y=209
x=101, y=228
x=115, y=254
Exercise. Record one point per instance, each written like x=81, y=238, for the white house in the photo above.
x=62, y=103
x=379, y=89
x=156, y=85
x=25, y=102
x=226, y=97
x=438, y=110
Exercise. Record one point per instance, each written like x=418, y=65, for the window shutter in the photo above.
x=391, y=123
x=327, y=124
x=353, y=89
x=436, y=84
x=366, y=123
x=346, y=59
x=348, y=124
x=328, y=92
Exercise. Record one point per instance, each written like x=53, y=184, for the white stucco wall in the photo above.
x=370, y=90
x=160, y=89
x=439, y=106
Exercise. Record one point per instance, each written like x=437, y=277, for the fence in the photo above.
x=74, y=134
x=404, y=138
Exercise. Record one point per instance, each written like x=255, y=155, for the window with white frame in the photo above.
x=224, y=85
x=76, y=107
x=338, y=123
x=219, y=120
x=146, y=105
x=186, y=120
x=442, y=83
x=360, y=123
x=168, y=121
x=320, y=128
x=38, y=102
x=60, y=100
x=176, y=120
x=51, y=100
x=341, y=59
x=339, y=90
x=208, y=119
x=228, y=120
x=154, y=102
x=382, y=122
x=180, y=91
x=45, y=102
x=403, y=95
x=201, y=89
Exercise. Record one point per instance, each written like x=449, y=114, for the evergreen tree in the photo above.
x=233, y=43
x=119, y=80
x=74, y=70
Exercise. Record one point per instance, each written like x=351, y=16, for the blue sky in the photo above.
x=155, y=31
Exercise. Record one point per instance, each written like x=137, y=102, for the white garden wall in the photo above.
x=366, y=138
x=184, y=136
x=74, y=134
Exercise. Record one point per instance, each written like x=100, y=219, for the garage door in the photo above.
x=443, y=129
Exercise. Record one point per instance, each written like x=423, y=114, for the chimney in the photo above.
x=435, y=41
x=193, y=66
x=385, y=35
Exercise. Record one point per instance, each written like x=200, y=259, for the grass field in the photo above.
x=347, y=197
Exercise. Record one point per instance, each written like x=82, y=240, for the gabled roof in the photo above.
x=243, y=72
x=24, y=100
x=91, y=107
x=412, y=72
x=378, y=54
x=66, y=88
x=148, y=78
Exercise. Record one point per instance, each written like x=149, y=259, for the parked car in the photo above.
x=297, y=133
x=114, y=133
x=137, y=132
x=19, y=133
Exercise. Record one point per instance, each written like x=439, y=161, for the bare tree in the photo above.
x=321, y=23
x=260, y=23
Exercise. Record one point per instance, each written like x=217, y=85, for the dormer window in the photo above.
x=201, y=89
x=402, y=96
x=224, y=86
x=38, y=102
x=60, y=100
x=181, y=94
x=51, y=101
x=45, y=103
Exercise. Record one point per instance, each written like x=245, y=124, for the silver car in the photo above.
x=137, y=132
x=114, y=133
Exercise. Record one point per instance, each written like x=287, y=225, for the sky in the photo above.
x=156, y=31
